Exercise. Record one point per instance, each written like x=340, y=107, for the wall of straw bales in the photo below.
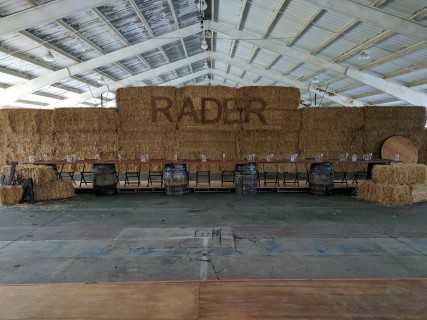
x=331, y=131
x=187, y=125
x=382, y=122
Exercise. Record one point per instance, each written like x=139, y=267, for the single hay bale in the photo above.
x=419, y=192
x=396, y=195
x=275, y=119
x=390, y=195
x=41, y=175
x=332, y=118
x=54, y=190
x=10, y=195
x=84, y=143
x=275, y=97
x=85, y=119
x=264, y=142
x=19, y=146
x=400, y=174
x=409, y=116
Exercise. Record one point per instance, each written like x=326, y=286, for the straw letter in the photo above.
x=229, y=111
x=249, y=108
x=218, y=110
x=162, y=109
x=192, y=112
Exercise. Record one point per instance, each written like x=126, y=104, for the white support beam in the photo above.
x=17, y=91
x=403, y=93
x=129, y=81
x=232, y=77
x=274, y=46
x=345, y=101
x=374, y=16
x=183, y=79
x=45, y=13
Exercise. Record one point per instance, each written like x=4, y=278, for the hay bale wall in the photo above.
x=381, y=123
x=331, y=131
x=85, y=132
x=176, y=126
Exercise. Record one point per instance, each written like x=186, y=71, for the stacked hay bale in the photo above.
x=381, y=123
x=400, y=184
x=25, y=132
x=46, y=186
x=331, y=131
x=85, y=132
x=140, y=130
x=207, y=123
x=275, y=129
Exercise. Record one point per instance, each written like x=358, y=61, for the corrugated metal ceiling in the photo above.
x=83, y=36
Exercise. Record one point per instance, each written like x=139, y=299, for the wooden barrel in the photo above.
x=175, y=179
x=245, y=178
x=321, y=178
x=104, y=179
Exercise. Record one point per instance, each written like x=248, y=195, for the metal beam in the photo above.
x=130, y=80
x=345, y=101
x=404, y=93
x=45, y=13
x=190, y=76
x=15, y=92
x=374, y=16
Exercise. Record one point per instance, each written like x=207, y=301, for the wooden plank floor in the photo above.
x=257, y=299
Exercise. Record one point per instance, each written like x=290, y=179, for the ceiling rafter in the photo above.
x=45, y=13
x=303, y=28
x=267, y=29
x=380, y=37
x=351, y=23
x=155, y=72
x=296, y=83
x=238, y=26
x=374, y=16
x=19, y=90
x=399, y=91
x=149, y=30
x=75, y=33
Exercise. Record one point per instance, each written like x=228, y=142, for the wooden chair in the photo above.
x=270, y=173
x=133, y=174
x=86, y=174
x=340, y=173
x=227, y=173
x=203, y=173
x=66, y=170
x=360, y=172
x=290, y=174
x=155, y=171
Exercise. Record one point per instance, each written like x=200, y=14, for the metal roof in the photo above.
x=101, y=45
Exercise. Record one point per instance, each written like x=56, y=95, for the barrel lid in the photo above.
x=406, y=149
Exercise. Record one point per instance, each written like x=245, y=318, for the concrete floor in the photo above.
x=151, y=236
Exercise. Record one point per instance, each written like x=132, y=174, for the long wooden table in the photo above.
x=210, y=161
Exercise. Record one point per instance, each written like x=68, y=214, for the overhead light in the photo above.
x=102, y=81
x=364, y=55
x=202, y=5
x=204, y=45
x=315, y=80
x=49, y=57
